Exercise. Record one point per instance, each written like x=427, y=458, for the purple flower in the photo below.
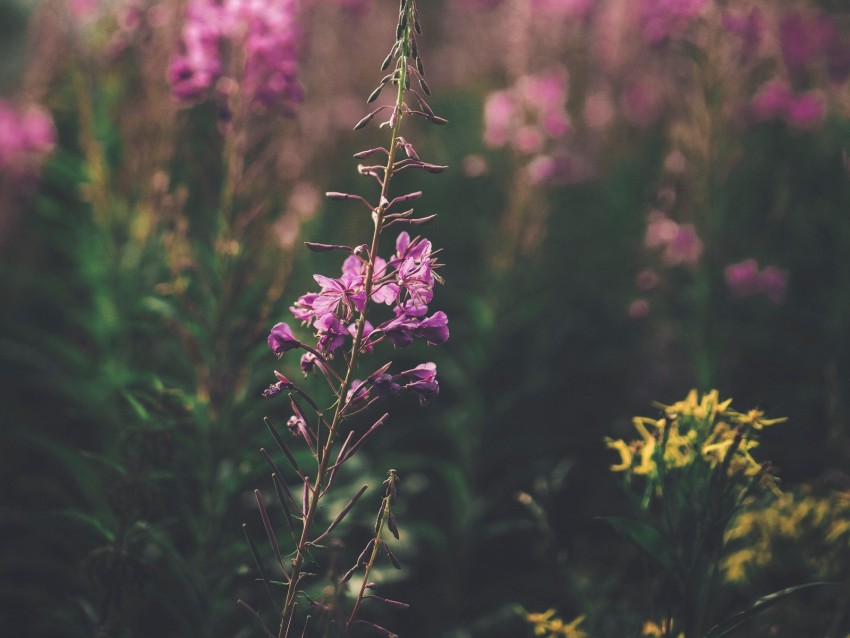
x=743, y=277
x=27, y=136
x=281, y=339
x=343, y=296
x=331, y=332
x=365, y=345
x=800, y=38
x=434, y=329
x=422, y=380
x=806, y=110
x=308, y=362
x=771, y=100
x=417, y=279
x=773, y=282
x=357, y=393
x=303, y=308
x=399, y=330
x=384, y=385
x=417, y=248
x=661, y=19
x=385, y=292
x=276, y=388
x=263, y=34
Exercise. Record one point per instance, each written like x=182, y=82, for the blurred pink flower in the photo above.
x=771, y=100
x=660, y=230
x=685, y=248
x=774, y=282
x=642, y=101
x=541, y=169
x=571, y=9
x=680, y=242
x=499, y=110
x=639, y=308
x=750, y=27
x=27, y=136
x=744, y=279
x=647, y=279
x=264, y=34
x=474, y=166
x=801, y=39
x=527, y=114
x=806, y=110
x=598, y=111
x=662, y=19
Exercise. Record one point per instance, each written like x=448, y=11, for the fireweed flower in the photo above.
x=745, y=279
x=374, y=299
x=27, y=137
x=281, y=339
x=262, y=36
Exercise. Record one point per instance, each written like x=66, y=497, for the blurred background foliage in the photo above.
x=617, y=168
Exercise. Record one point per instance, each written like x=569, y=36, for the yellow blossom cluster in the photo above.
x=549, y=625
x=697, y=427
x=813, y=529
x=657, y=630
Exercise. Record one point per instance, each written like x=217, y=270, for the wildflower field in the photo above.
x=425, y=318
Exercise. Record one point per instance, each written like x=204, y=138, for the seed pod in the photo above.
x=419, y=66
x=392, y=558
x=416, y=26
x=424, y=86
x=391, y=524
x=374, y=95
x=386, y=63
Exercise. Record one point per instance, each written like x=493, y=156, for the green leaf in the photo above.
x=763, y=603
x=646, y=538
x=92, y=522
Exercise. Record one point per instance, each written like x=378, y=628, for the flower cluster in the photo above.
x=528, y=117
x=405, y=282
x=776, y=100
x=662, y=19
x=745, y=279
x=812, y=530
x=261, y=35
x=697, y=428
x=679, y=243
x=549, y=625
x=27, y=137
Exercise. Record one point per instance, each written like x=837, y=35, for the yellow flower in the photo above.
x=625, y=454
x=549, y=625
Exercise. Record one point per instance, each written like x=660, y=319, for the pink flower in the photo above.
x=773, y=283
x=744, y=280
x=806, y=110
x=749, y=27
x=662, y=19
x=27, y=137
x=685, y=247
x=570, y=9
x=660, y=230
x=771, y=100
x=263, y=34
x=639, y=308
x=680, y=242
x=499, y=109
